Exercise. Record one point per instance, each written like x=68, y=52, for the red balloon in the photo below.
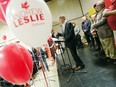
x=4, y=37
x=4, y=4
x=16, y=64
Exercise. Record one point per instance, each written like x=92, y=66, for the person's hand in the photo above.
x=84, y=30
x=108, y=13
x=105, y=15
x=93, y=32
x=92, y=26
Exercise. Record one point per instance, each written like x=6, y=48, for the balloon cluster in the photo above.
x=31, y=22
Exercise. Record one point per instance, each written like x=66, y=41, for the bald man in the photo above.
x=104, y=31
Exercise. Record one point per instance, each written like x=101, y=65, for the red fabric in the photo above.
x=112, y=18
x=108, y=3
x=4, y=37
x=50, y=39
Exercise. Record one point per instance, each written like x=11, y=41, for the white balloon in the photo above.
x=30, y=21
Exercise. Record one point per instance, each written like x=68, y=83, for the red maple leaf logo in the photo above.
x=25, y=5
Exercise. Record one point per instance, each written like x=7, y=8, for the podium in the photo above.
x=65, y=66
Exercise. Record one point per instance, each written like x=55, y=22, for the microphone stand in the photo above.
x=65, y=66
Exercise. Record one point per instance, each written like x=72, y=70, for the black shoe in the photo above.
x=111, y=61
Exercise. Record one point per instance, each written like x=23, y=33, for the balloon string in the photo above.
x=43, y=69
x=24, y=61
x=26, y=65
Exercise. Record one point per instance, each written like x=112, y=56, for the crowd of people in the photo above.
x=97, y=31
x=103, y=31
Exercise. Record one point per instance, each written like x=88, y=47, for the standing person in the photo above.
x=69, y=37
x=104, y=31
x=86, y=26
x=77, y=35
x=112, y=15
x=94, y=31
x=51, y=46
x=35, y=58
x=44, y=58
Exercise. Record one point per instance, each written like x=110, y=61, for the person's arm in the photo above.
x=100, y=22
x=60, y=34
x=70, y=32
x=83, y=26
x=53, y=35
x=113, y=12
x=88, y=25
x=78, y=29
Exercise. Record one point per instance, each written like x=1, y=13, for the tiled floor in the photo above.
x=52, y=78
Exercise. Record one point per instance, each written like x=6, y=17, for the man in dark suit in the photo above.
x=86, y=26
x=69, y=37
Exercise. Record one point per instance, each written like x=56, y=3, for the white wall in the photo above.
x=11, y=38
x=87, y=4
x=71, y=8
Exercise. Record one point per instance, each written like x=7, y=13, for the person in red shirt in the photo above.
x=52, y=49
x=112, y=15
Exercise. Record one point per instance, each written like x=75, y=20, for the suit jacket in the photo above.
x=57, y=36
x=86, y=25
x=69, y=35
x=103, y=29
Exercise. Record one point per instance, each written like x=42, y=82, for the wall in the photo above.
x=71, y=9
x=11, y=38
x=87, y=4
x=4, y=30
